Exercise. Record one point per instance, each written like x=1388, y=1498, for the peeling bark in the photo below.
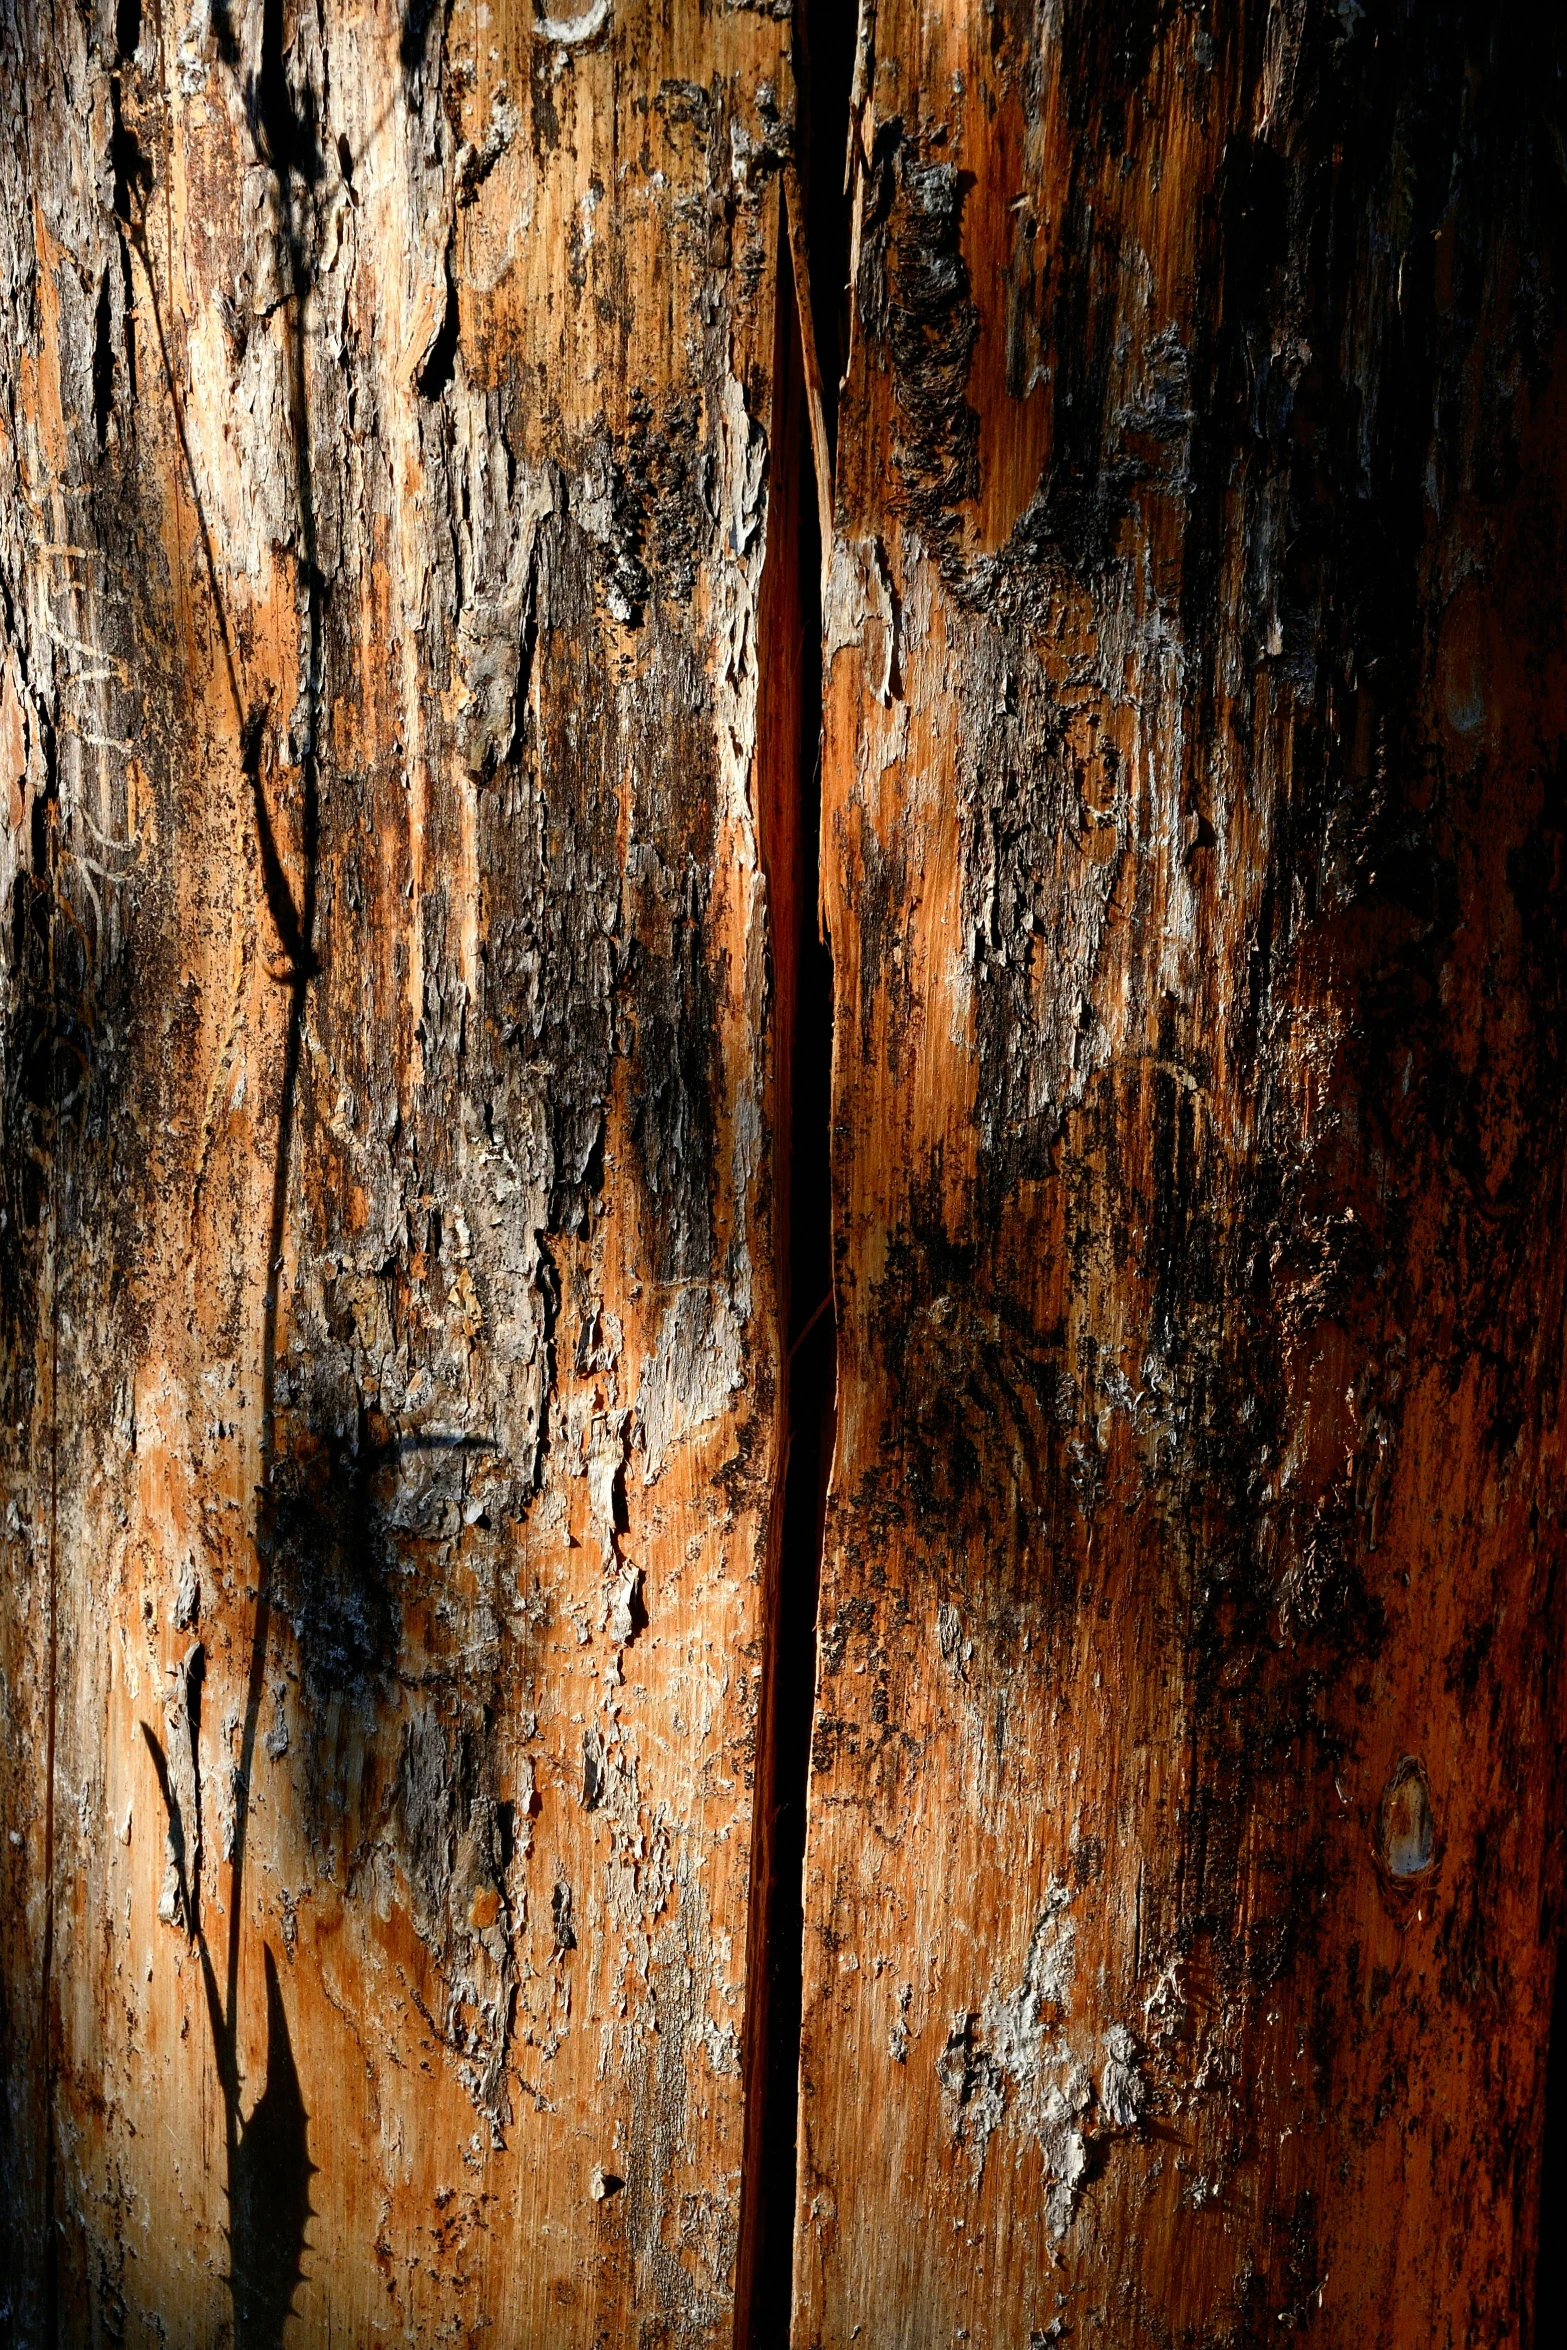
x=389, y=1269
x=413, y=1217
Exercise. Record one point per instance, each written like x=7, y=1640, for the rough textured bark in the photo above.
x=387, y=1263
x=404, y=500
x=1182, y=1853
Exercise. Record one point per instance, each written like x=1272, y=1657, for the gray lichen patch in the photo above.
x=1122, y=2090
x=1023, y=2058
x=1064, y=2142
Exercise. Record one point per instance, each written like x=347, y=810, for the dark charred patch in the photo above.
x=20, y=2291
x=1236, y=1265
x=933, y=326
x=980, y=1407
x=672, y=991
x=884, y=916
x=674, y=1008
x=1283, y=2294
x=1473, y=1975
x=543, y=113
x=36, y=1039
x=1022, y=799
x=335, y=1560
x=914, y=300
x=426, y=1801
x=567, y=994
x=657, y=479
x=549, y=836
x=73, y=1072
x=666, y=470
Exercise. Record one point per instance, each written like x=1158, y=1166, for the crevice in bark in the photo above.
x=811, y=1395
x=828, y=85
x=1550, y=2288
x=436, y=373
x=818, y=225
x=269, y=2199
x=37, y=1120
x=52, y=1668
x=102, y=364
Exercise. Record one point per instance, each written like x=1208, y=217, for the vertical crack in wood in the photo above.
x=263, y=2272
x=51, y=2279
x=1550, y=2282
x=801, y=505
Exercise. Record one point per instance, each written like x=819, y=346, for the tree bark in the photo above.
x=390, y=1275
x=409, y=1024
x=1182, y=1863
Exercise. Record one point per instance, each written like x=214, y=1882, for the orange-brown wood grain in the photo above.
x=407, y=997
x=391, y=1310
x=1182, y=1810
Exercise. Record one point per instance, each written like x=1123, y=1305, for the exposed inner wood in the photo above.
x=439, y=1266
x=391, y=1240
x=1184, y=1823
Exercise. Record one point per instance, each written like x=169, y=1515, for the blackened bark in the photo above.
x=1183, y=1814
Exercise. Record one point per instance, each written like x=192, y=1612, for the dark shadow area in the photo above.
x=269, y=2197
x=1550, y=2290
x=268, y=2156
x=812, y=1379
x=827, y=61
x=415, y=36
x=12, y=2285
x=335, y=1550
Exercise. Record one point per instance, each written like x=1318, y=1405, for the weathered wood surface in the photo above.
x=399, y=832
x=1183, y=1802
x=389, y=1273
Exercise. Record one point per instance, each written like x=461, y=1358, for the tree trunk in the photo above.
x=409, y=1038
x=1182, y=1819
x=390, y=1279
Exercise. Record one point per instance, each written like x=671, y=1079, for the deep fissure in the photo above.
x=1550, y=2304
x=816, y=345
x=992, y=1357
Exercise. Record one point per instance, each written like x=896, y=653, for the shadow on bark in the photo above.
x=1550, y=2291
x=267, y=2162
x=269, y=2194
x=268, y=2156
